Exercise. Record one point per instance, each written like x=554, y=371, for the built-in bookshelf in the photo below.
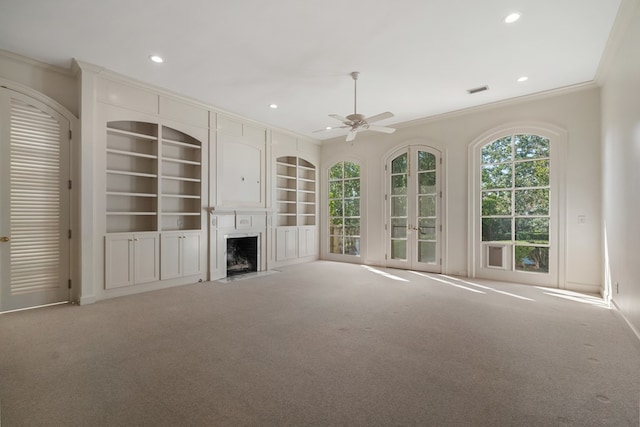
x=295, y=191
x=153, y=178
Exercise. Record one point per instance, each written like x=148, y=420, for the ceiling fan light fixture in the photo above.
x=356, y=122
x=273, y=106
x=522, y=79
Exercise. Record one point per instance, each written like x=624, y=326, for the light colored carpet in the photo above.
x=323, y=344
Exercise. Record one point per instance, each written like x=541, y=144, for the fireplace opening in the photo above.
x=242, y=255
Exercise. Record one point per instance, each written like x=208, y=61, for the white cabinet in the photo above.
x=307, y=245
x=131, y=258
x=286, y=243
x=181, y=254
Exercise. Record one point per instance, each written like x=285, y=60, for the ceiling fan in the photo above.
x=357, y=122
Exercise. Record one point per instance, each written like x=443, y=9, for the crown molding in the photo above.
x=67, y=72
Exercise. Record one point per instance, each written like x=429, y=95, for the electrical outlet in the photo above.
x=582, y=219
x=617, y=288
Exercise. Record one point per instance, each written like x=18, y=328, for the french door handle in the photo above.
x=4, y=239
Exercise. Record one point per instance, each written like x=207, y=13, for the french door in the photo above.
x=34, y=208
x=413, y=209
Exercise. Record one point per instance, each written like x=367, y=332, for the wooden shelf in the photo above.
x=153, y=172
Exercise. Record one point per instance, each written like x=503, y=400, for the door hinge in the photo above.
x=385, y=167
x=70, y=134
x=385, y=197
x=440, y=261
x=69, y=283
x=69, y=184
x=385, y=256
x=441, y=194
x=69, y=233
x=440, y=227
x=440, y=160
x=385, y=227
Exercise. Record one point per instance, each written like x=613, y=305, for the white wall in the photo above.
x=577, y=112
x=56, y=83
x=621, y=169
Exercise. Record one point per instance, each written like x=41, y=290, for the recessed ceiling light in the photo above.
x=328, y=128
x=274, y=106
x=523, y=79
x=512, y=18
x=157, y=59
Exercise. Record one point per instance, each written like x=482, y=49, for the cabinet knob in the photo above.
x=4, y=239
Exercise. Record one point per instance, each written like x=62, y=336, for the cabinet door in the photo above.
x=286, y=243
x=118, y=261
x=170, y=255
x=307, y=241
x=146, y=257
x=191, y=253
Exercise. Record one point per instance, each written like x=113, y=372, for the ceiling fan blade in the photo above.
x=378, y=117
x=339, y=117
x=381, y=129
x=331, y=128
x=351, y=135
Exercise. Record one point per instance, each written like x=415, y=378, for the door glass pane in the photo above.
x=427, y=228
x=335, y=226
x=427, y=182
x=427, y=205
x=352, y=188
x=427, y=252
x=335, y=244
x=335, y=208
x=335, y=189
x=398, y=249
x=426, y=161
x=352, y=207
x=351, y=170
x=352, y=227
x=352, y=246
x=399, y=228
x=399, y=164
x=336, y=171
x=399, y=184
x=532, y=258
x=532, y=230
x=399, y=206
x=496, y=229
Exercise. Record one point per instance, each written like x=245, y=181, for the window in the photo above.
x=344, y=209
x=515, y=195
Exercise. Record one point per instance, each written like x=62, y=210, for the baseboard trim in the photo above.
x=87, y=300
x=635, y=331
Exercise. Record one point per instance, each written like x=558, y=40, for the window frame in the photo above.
x=477, y=252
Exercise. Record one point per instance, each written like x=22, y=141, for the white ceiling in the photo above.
x=417, y=58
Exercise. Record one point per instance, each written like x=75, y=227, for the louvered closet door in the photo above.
x=34, y=209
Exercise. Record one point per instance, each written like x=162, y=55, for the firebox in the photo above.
x=242, y=254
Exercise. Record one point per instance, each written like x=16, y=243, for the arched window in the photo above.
x=344, y=209
x=515, y=203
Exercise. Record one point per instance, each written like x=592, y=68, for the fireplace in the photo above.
x=242, y=254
